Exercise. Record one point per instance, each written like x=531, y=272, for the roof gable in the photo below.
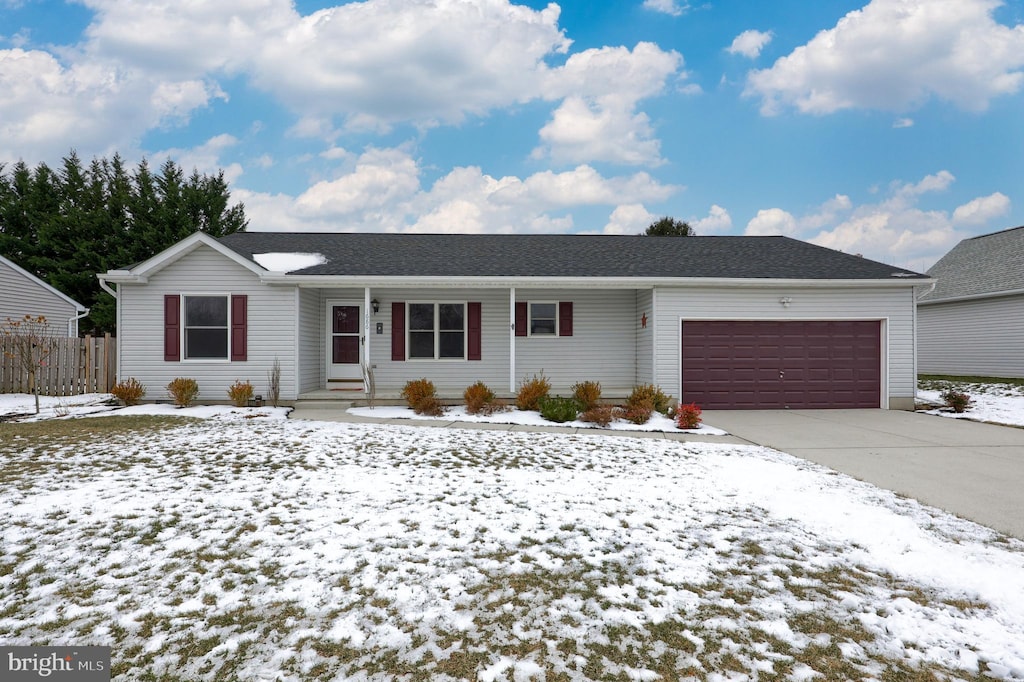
x=40, y=283
x=506, y=255
x=986, y=265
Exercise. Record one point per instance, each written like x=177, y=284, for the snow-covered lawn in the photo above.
x=247, y=546
x=996, y=403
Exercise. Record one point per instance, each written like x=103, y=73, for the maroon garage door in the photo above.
x=796, y=364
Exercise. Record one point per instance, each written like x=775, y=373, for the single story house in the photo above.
x=726, y=322
x=972, y=323
x=22, y=293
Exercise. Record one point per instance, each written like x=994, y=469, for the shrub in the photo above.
x=430, y=406
x=129, y=391
x=274, y=383
x=638, y=412
x=416, y=390
x=649, y=393
x=477, y=397
x=531, y=391
x=556, y=409
x=240, y=393
x=183, y=391
x=421, y=396
x=602, y=415
x=956, y=400
x=688, y=416
x=587, y=394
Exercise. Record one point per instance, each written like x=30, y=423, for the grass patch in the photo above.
x=935, y=382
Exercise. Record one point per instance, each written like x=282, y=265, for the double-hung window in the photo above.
x=206, y=327
x=543, y=319
x=437, y=331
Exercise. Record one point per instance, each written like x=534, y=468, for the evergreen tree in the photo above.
x=66, y=227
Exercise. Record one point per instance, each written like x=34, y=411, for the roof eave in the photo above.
x=972, y=297
x=485, y=282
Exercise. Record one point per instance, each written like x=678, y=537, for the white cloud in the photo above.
x=771, y=221
x=598, y=118
x=670, y=7
x=717, y=221
x=894, y=55
x=95, y=106
x=903, y=123
x=896, y=229
x=206, y=158
x=382, y=191
x=982, y=210
x=750, y=43
x=629, y=219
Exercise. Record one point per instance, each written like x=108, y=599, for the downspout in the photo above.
x=116, y=293
x=73, y=323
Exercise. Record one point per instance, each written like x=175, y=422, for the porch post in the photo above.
x=512, y=340
x=367, y=311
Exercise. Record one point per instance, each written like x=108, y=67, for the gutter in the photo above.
x=73, y=322
x=972, y=297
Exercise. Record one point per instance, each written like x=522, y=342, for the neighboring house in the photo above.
x=743, y=322
x=972, y=323
x=22, y=293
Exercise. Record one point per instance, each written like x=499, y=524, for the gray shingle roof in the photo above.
x=506, y=255
x=980, y=265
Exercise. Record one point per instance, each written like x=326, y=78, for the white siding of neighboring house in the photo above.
x=20, y=296
x=895, y=305
x=644, y=337
x=980, y=337
x=271, y=328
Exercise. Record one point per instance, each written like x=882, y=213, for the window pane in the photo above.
x=540, y=327
x=421, y=316
x=544, y=310
x=453, y=345
x=452, y=316
x=206, y=343
x=421, y=344
x=206, y=311
x=542, y=319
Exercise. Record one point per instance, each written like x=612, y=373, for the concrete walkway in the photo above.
x=967, y=468
x=971, y=469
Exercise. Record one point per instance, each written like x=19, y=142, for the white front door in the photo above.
x=344, y=341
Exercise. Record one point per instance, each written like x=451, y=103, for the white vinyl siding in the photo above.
x=450, y=376
x=894, y=306
x=312, y=342
x=21, y=296
x=644, y=337
x=270, y=328
x=981, y=337
x=602, y=346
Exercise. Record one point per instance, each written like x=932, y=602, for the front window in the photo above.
x=437, y=331
x=206, y=327
x=543, y=319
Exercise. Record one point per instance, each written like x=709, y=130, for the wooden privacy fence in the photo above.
x=72, y=366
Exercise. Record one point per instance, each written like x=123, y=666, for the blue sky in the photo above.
x=890, y=128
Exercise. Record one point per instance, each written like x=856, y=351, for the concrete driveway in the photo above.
x=971, y=469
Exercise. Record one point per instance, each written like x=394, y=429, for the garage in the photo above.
x=743, y=365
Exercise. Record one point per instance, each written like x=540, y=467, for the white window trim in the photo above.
x=184, y=327
x=529, y=320
x=437, y=331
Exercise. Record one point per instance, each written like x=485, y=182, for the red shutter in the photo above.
x=473, y=324
x=565, y=318
x=172, y=328
x=239, y=328
x=397, y=331
x=522, y=326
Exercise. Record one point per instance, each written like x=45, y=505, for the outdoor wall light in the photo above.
x=376, y=306
x=785, y=301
